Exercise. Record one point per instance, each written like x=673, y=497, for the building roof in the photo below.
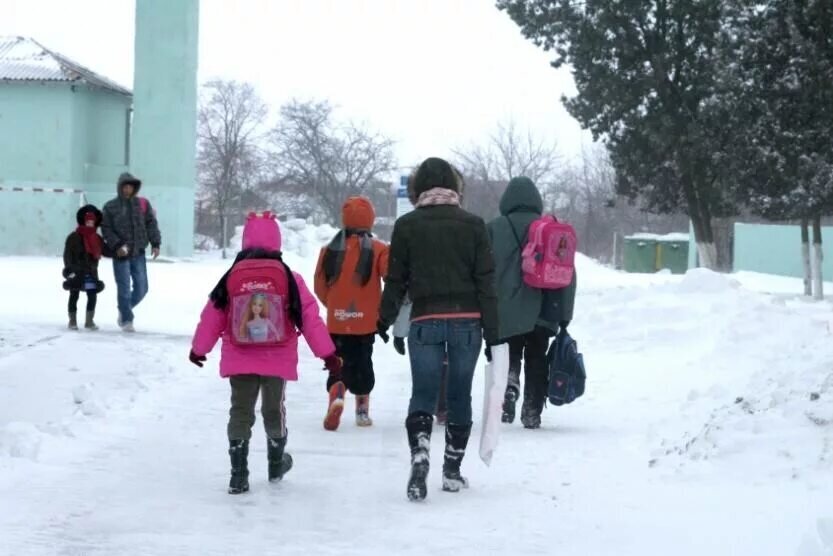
x=24, y=59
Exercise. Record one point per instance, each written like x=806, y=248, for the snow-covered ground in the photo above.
x=706, y=429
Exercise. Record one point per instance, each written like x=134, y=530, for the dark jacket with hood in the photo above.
x=130, y=221
x=440, y=256
x=521, y=308
x=78, y=263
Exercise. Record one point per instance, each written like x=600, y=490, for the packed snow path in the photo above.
x=705, y=430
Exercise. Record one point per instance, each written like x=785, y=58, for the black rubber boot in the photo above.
x=239, y=453
x=531, y=413
x=418, y=426
x=280, y=462
x=509, y=401
x=513, y=392
x=456, y=440
x=73, y=321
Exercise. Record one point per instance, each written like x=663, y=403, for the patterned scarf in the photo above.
x=334, y=257
x=438, y=196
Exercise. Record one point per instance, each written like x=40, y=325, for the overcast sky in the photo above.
x=432, y=74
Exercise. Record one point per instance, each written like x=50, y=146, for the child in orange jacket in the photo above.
x=348, y=282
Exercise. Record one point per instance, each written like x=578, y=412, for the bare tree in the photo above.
x=508, y=152
x=327, y=159
x=230, y=120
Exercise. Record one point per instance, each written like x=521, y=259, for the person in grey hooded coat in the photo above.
x=527, y=317
x=129, y=224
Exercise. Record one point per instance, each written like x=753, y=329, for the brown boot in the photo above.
x=363, y=411
x=89, y=324
x=73, y=322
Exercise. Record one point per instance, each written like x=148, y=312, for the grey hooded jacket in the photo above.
x=130, y=221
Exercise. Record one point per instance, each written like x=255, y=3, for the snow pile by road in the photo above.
x=764, y=405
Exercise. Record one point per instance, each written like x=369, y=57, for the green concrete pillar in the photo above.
x=163, y=139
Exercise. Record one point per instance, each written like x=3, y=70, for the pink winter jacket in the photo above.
x=280, y=361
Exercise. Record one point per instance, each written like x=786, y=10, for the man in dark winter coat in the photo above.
x=129, y=225
x=440, y=256
x=528, y=317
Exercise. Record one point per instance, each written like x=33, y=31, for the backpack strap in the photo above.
x=514, y=233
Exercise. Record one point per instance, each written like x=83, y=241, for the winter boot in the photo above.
x=363, y=411
x=456, y=439
x=513, y=392
x=531, y=413
x=335, y=407
x=280, y=462
x=418, y=426
x=73, y=322
x=89, y=323
x=509, y=401
x=239, y=453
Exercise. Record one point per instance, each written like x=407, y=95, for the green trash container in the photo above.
x=640, y=254
x=673, y=255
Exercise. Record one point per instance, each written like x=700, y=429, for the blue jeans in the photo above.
x=125, y=270
x=428, y=343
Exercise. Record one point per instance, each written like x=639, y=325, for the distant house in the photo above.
x=62, y=127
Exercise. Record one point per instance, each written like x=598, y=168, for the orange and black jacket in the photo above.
x=352, y=294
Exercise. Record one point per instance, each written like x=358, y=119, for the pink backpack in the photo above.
x=143, y=205
x=548, y=258
x=258, y=303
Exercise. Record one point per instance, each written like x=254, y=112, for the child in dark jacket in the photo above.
x=82, y=252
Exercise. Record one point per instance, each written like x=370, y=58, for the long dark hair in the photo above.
x=220, y=297
x=334, y=256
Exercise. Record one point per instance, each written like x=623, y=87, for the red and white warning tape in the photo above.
x=18, y=189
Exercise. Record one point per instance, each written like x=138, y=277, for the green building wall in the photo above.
x=775, y=249
x=35, y=132
x=56, y=135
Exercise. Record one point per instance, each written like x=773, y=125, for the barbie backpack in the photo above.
x=258, y=303
x=548, y=258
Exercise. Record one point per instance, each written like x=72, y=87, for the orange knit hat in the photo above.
x=358, y=213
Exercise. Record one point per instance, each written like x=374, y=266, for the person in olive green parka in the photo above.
x=527, y=317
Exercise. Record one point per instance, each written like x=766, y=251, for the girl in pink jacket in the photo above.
x=266, y=365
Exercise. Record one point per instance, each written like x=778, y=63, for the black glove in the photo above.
x=382, y=331
x=488, y=353
x=399, y=345
x=197, y=360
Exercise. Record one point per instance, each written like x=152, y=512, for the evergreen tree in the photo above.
x=777, y=68
x=646, y=80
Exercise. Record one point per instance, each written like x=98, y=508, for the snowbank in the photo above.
x=703, y=280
